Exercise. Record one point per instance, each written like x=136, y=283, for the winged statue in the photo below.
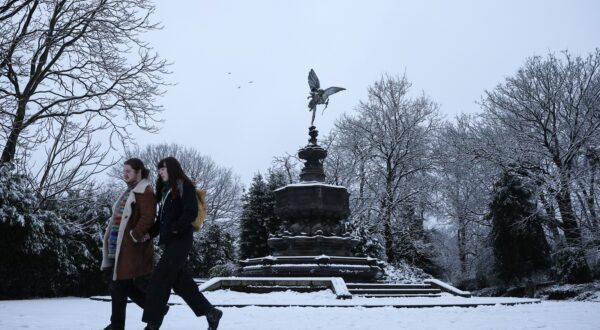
x=317, y=95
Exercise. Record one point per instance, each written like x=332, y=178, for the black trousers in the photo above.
x=120, y=290
x=170, y=273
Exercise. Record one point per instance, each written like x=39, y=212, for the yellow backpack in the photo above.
x=197, y=224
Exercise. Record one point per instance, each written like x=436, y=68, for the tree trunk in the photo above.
x=565, y=208
x=8, y=154
x=387, y=230
x=551, y=222
x=591, y=198
x=10, y=148
x=462, y=246
x=582, y=272
x=585, y=217
x=388, y=202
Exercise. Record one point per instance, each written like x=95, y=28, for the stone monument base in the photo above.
x=349, y=268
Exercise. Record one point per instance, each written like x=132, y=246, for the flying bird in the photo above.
x=317, y=95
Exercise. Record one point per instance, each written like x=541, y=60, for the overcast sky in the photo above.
x=450, y=50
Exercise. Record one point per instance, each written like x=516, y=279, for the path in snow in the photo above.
x=81, y=313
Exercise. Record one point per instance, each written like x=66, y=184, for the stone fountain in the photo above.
x=313, y=240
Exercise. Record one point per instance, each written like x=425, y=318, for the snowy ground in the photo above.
x=80, y=313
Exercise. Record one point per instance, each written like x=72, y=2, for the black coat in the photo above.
x=176, y=214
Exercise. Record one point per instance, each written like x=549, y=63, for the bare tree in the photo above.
x=550, y=106
x=222, y=185
x=72, y=159
x=488, y=142
x=75, y=59
x=395, y=132
x=463, y=189
x=346, y=165
x=288, y=164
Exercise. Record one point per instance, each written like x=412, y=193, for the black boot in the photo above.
x=213, y=317
x=151, y=326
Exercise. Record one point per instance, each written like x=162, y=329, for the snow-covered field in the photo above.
x=81, y=313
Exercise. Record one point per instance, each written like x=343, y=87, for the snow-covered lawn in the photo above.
x=80, y=313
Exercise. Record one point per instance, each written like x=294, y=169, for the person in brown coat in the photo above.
x=127, y=250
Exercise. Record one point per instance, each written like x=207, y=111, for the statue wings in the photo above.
x=317, y=95
x=313, y=81
x=330, y=91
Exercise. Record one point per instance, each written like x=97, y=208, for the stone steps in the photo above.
x=391, y=295
x=276, y=288
x=342, y=290
x=387, y=286
x=362, y=292
x=393, y=290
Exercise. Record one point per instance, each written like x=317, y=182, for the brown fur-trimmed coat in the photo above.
x=133, y=259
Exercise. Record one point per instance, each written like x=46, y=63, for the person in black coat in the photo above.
x=178, y=208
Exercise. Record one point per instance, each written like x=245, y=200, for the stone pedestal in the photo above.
x=313, y=240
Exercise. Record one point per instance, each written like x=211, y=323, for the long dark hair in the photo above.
x=138, y=165
x=175, y=173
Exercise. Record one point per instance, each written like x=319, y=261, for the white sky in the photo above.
x=451, y=50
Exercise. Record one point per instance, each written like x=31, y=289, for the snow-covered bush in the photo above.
x=415, y=250
x=224, y=270
x=213, y=248
x=42, y=252
x=369, y=245
x=402, y=272
x=568, y=266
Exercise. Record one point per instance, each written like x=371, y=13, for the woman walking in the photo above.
x=178, y=209
x=127, y=252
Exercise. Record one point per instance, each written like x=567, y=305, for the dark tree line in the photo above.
x=258, y=219
x=518, y=238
